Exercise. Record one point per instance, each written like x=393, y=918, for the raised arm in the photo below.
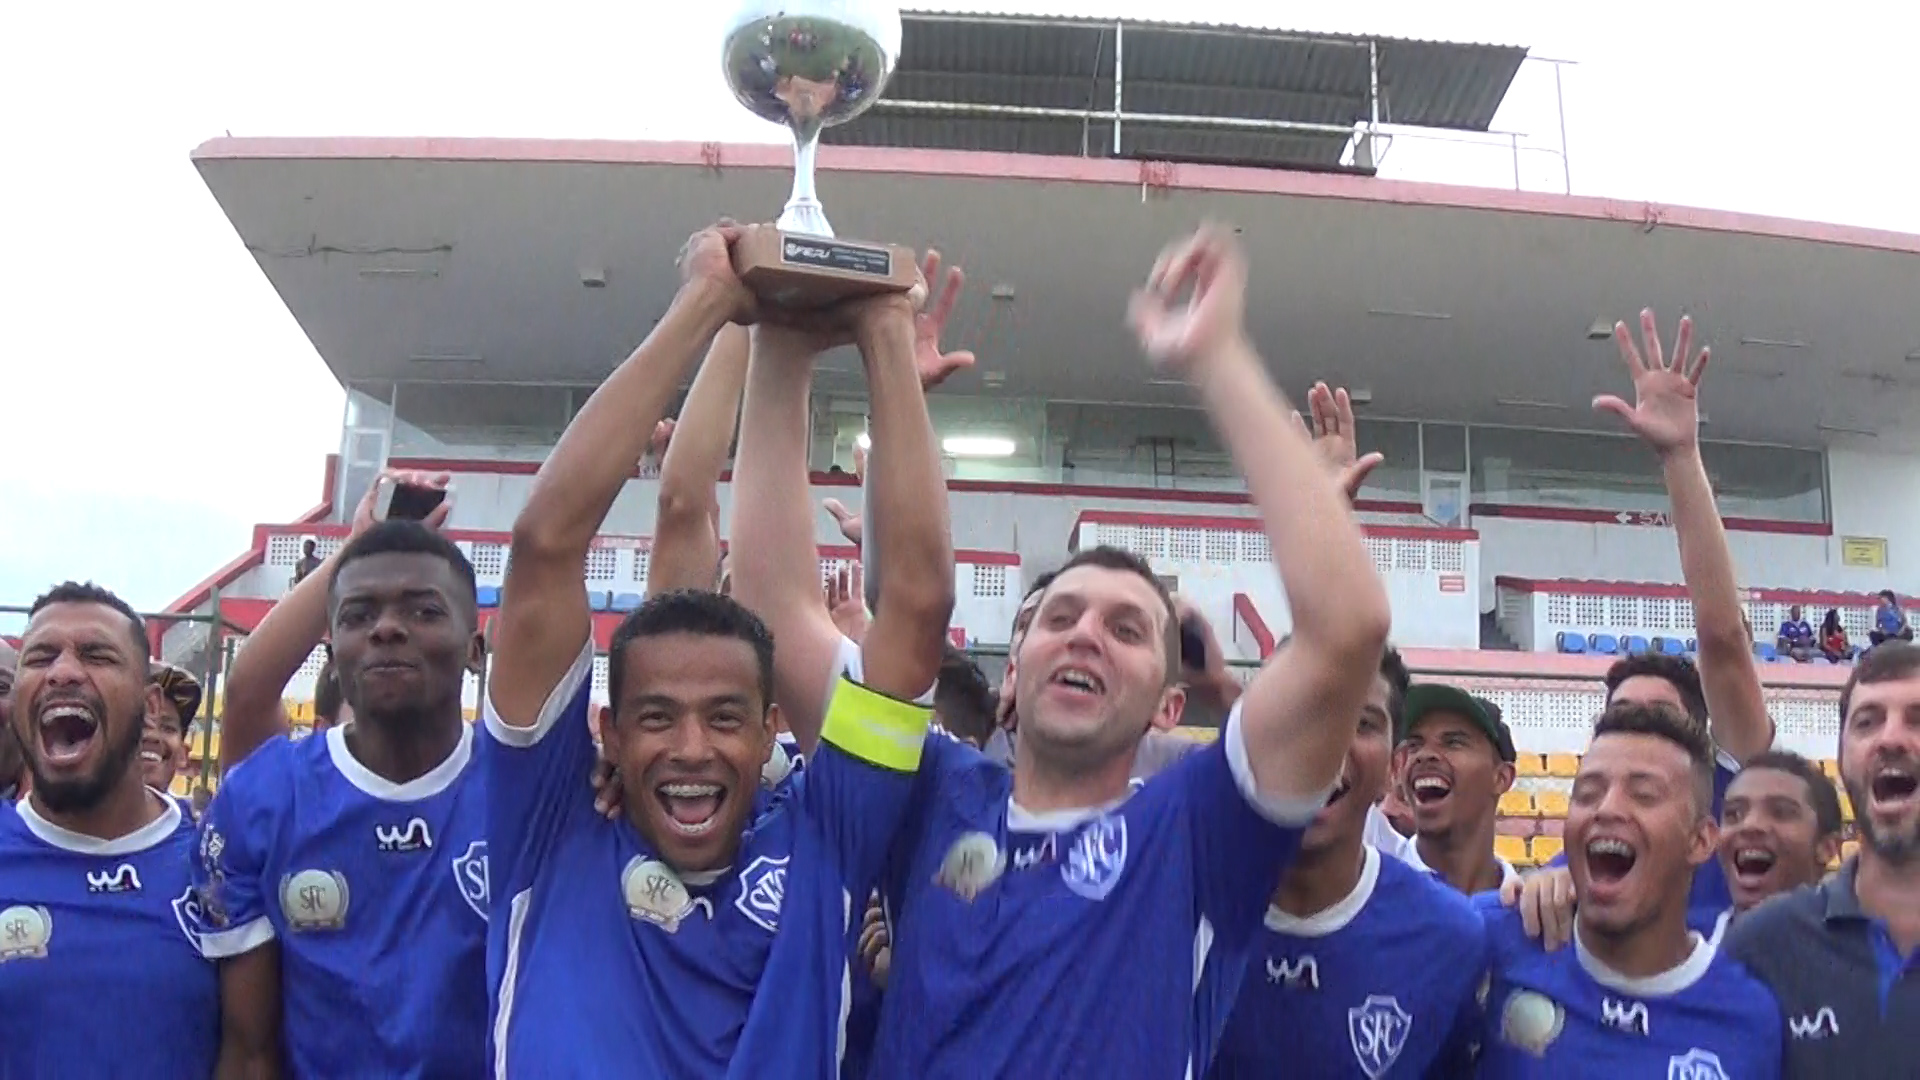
x=1666, y=414
x=287, y=636
x=1298, y=714
x=544, y=619
x=686, y=531
x=776, y=564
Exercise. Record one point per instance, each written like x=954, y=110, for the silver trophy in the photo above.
x=810, y=64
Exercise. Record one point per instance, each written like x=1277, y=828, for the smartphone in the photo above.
x=1193, y=644
x=406, y=502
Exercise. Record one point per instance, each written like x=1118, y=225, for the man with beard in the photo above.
x=1780, y=827
x=342, y=878
x=94, y=883
x=13, y=762
x=705, y=932
x=1637, y=993
x=1458, y=760
x=1844, y=956
x=1371, y=966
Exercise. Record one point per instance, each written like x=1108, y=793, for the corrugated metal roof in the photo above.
x=1172, y=69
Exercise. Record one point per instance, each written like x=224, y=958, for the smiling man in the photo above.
x=1367, y=967
x=163, y=752
x=1780, y=827
x=1643, y=994
x=343, y=878
x=100, y=972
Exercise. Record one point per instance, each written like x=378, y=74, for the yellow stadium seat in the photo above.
x=469, y=715
x=1846, y=808
x=1517, y=804
x=300, y=712
x=181, y=785
x=1831, y=768
x=1512, y=848
x=1563, y=765
x=1552, y=803
x=1530, y=765
x=1849, y=849
x=1542, y=849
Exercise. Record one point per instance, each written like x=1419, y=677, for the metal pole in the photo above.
x=955, y=108
x=1560, y=106
x=1119, y=77
x=1514, y=140
x=210, y=686
x=1373, y=104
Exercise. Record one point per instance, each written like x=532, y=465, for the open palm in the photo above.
x=1666, y=407
x=934, y=364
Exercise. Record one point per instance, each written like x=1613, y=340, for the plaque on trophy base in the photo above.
x=805, y=273
x=811, y=64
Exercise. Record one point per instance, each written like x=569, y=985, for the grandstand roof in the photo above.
x=463, y=261
x=978, y=82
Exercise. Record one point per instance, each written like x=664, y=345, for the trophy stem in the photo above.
x=803, y=213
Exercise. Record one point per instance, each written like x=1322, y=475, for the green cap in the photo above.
x=1424, y=699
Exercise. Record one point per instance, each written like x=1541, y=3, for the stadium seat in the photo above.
x=1847, y=850
x=1569, y=642
x=1542, y=849
x=1563, y=766
x=1846, y=807
x=488, y=596
x=1517, y=804
x=1831, y=768
x=1634, y=645
x=1605, y=644
x=1511, y=848
x=600, y=599
x=1529, y=765
x=1667, y=646
x=1765, y=651
x=1552, y=804
x=627, y=601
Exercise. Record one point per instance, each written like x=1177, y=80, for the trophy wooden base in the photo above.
x=806, y=273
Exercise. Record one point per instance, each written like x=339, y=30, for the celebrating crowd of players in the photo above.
x=836, y=858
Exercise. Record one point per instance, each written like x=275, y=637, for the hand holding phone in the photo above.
x=401, y=500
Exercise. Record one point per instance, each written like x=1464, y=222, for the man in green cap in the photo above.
x=1456, y=756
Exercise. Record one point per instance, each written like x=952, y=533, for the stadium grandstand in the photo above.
x=1524, y=541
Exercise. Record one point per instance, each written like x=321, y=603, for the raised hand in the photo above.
x=1666, y=408
x=1333, y=433
x=936, y=366
x=1210, y=269
x=847, y=602
x=363, y=518
x=851, y=525
x=662, y=436
x=707, y=258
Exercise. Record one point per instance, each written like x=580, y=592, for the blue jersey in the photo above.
x=604, y=963
x=101, y=970
x=1098, y=943
x=1381, y=984
x=1563, y=1013
x=376, y=893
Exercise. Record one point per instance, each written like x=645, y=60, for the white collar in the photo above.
x=431, y=783
x=138, y=840
x=1411, y=856
x=1665, y=984
x=1337, y=915
x=1020, y=819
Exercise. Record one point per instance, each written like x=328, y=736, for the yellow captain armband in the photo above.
x=876, y=728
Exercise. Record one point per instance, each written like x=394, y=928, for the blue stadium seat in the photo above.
x=1569, y=643
x=600, y=599
x=1765, y=651
x=488, y=596
x=1635, y=645
x=1670, y=646
x=1606, y=644
x=1693, y=645
x=626, y=601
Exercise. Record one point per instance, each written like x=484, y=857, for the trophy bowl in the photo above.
x=811, y=64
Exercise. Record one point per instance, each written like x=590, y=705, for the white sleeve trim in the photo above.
x=237, y=941
x=848, y=661
x=1290, y=812
x=557, y=701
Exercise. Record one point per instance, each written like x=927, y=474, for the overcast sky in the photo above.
x=163, y=401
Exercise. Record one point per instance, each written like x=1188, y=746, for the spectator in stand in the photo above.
x=1889, y=622
x=309, y=562
x=1796, y=637
x=1833, y=638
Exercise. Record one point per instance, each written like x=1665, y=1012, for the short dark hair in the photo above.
x=1676, y=670
x=327, y=694
x=76, y=592
x=398, y=536
x=1663, y=722
x=1039, y=584
x=1108, y=557
x=1820, y=790
x=962, y=701
x=1393, y=668
x=690, y=611
x=1889, y=661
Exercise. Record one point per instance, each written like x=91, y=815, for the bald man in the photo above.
x=13, y=765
